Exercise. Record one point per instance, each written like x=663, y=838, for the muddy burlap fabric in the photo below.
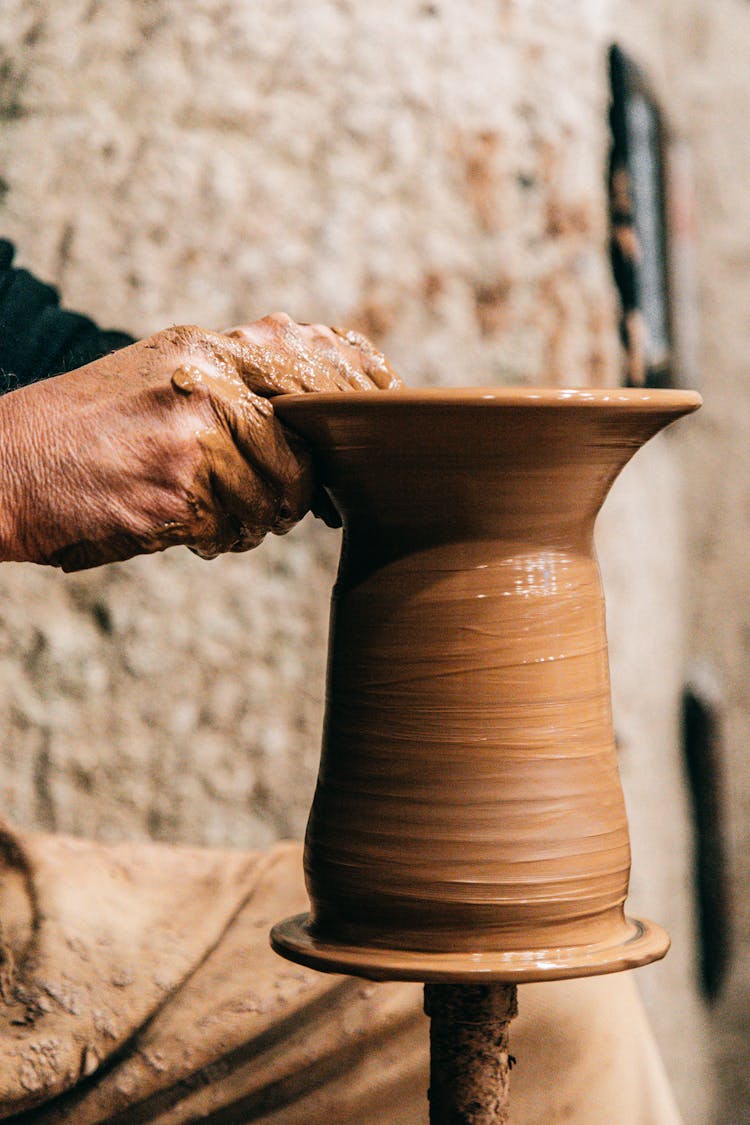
x=138, y=985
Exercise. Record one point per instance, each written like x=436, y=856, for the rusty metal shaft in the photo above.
x=469, y=1059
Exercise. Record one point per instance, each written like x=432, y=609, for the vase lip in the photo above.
x=637, y=399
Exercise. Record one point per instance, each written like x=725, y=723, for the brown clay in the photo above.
x=468, y=819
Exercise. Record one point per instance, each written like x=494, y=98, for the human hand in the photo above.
x=283, y=357
x=172, y=440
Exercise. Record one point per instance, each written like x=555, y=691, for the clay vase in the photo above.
x=469, y=821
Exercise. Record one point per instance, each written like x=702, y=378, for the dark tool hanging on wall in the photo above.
x=638, y=242
x=701, y=732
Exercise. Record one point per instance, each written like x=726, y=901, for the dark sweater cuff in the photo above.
x=38, y=338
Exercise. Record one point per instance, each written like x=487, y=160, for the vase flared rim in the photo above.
x=636, y=399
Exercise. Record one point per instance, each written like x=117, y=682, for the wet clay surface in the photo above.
x=468, y=813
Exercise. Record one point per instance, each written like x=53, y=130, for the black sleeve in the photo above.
x=37, y=337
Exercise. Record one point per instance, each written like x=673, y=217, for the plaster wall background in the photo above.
x=697, y=55
x=434, y=174
x=430, y=174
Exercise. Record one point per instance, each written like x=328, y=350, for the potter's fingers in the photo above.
x=271, y=358
x=275, y=355
x=279, y=357
x=276, y=326
x=385, y=377
x=380, y=372
x=374, y=363
x=276, y=455
x=343, y=361
x=248, y=419
x=323, y=508
x=253, y=477
x=234, y=506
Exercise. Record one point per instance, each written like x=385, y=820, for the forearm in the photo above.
x=70, y=469
x=43, y=440
x=38, y=339
x=16, y=443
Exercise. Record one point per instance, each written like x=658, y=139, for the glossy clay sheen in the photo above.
x=468, y=817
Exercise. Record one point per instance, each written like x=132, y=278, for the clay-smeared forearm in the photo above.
x=14, y=440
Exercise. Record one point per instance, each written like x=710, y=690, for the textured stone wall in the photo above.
x=697, y=55
x=642, y=539
x=430, y=171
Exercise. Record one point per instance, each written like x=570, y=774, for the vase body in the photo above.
x=468, y=816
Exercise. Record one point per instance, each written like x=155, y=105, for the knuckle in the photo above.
x=296, y=495
x=183, y=336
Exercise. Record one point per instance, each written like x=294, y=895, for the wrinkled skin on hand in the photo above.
x=170, y=441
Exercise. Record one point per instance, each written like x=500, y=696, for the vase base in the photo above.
x=646, y=942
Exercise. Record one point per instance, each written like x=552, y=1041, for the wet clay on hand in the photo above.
x=170, y=441
x=283, y=357
x=468, y=818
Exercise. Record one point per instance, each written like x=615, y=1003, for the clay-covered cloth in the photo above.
x=137, y=985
